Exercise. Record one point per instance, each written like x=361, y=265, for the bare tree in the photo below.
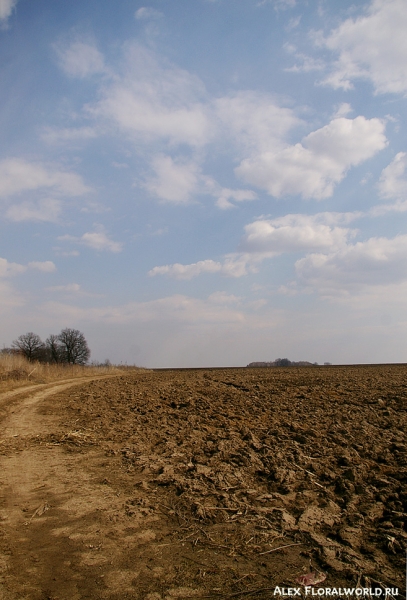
x=54, y=349
x=30, y=345
x=75, y=349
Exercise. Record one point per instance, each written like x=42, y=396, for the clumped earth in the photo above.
x=209, y=483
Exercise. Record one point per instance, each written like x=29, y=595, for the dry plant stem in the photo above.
x=309, y=473
x=209, y=567
x=280, y=548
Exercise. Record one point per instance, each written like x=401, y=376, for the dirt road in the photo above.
x=49, y=502
x=213, y=483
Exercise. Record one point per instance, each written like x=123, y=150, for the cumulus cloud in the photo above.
x=226, y=194
x=18, y=175
x=47, y=210
x=235, y=264
x=9, y=269
x=266, y=238
x=393, y=182
x=372, y=46
x=46, y=266
x=154, y=100
x=179, y=271
x=313, y=167
x=298, y=233
x=6, y=9
x=172, y=181
x=392, y=185
x=96, y=240
x=80, y=59
x=377, y=261
x=254, y=120
x=177, y=181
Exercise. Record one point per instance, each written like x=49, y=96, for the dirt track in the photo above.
x=213, y=483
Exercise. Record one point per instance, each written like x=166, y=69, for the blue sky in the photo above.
x=206, y=182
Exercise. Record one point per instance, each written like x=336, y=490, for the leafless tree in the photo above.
x=75, y=349
x=54, y=348
x=30, y=345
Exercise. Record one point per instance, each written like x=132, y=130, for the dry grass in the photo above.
x=16, y=371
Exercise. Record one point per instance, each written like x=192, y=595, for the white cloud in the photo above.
x=8, y=269
x=81, y=59
x=313, y=167
x=375, y=262
x=9, y=297
x=173, y=181
x=6, y=9
x=47, y=210
x=343, y=110
x=383, y=209
x=227, y=194
x=233, y=265
x=306, y=63
x=46, y=266
x=372, y=46
x=179, y=271
x=298, y=233
x=266, y=238
x=154, y=100
x=178, y=180
x=254, y=120
x=18, y=175
x=97, y=240
x=146, y=12
x=393, y=183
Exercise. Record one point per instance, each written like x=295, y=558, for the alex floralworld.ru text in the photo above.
x=336, y=592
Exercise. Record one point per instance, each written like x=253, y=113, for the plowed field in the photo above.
x=206, y=483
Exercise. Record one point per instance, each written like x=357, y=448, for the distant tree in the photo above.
x=54, y=349
x=74, y=347
x=282, y=362
x=30, y=345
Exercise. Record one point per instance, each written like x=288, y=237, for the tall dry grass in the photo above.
x=16, y=371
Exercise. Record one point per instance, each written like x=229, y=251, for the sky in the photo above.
x=196, y=183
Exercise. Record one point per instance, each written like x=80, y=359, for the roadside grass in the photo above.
x=16, y=371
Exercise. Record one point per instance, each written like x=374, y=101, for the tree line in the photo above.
x=68, y=347
x=283, y=362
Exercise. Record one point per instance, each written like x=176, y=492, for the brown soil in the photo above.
x=204, y=483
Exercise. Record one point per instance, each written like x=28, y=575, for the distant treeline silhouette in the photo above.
x=283, y=362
